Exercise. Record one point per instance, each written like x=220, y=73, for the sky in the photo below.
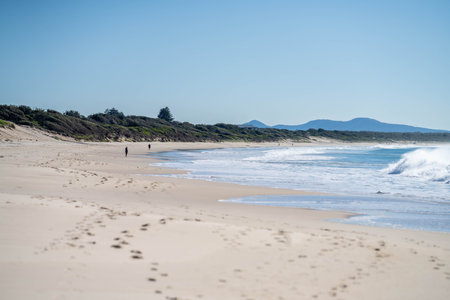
x=281, y=62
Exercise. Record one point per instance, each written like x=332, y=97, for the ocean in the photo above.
x=398, y=186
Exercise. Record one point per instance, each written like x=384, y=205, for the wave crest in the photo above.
x=428, y=164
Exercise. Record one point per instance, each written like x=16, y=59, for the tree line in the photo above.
x=113, y=125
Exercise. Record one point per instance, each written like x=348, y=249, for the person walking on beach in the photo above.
x=149, y=146
x=126, y=151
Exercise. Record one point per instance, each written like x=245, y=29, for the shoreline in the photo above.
x=398, y=218
x=79, y=222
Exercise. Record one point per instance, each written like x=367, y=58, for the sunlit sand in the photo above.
x=80, y=221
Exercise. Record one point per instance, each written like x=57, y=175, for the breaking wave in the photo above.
x=425, y=163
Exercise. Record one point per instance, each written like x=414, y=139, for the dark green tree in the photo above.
x=114, y=112
x=73, y=113
x=165, y=114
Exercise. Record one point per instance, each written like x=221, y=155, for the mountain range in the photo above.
x=357, y=124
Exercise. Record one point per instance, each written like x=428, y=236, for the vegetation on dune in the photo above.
x=6, y=124
x=113, y=125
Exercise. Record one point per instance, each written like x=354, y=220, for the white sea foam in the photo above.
x=396, y=146
x=428, y=164
x=290, y=154
x=355, y=170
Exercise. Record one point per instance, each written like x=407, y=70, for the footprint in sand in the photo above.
x=136, y=254
x=144, y=226
x=127, y=233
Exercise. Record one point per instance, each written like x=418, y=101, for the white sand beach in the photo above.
x=81, y=221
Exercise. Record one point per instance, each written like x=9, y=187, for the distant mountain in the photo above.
x=357, y=124
x=255, y=123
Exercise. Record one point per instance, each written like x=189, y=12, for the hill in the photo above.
x=113, y=125
x=357, y=124
x=254, y=124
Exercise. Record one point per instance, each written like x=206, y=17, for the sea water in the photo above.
x=386, y=185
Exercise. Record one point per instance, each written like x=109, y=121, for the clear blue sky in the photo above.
x=231, y=61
